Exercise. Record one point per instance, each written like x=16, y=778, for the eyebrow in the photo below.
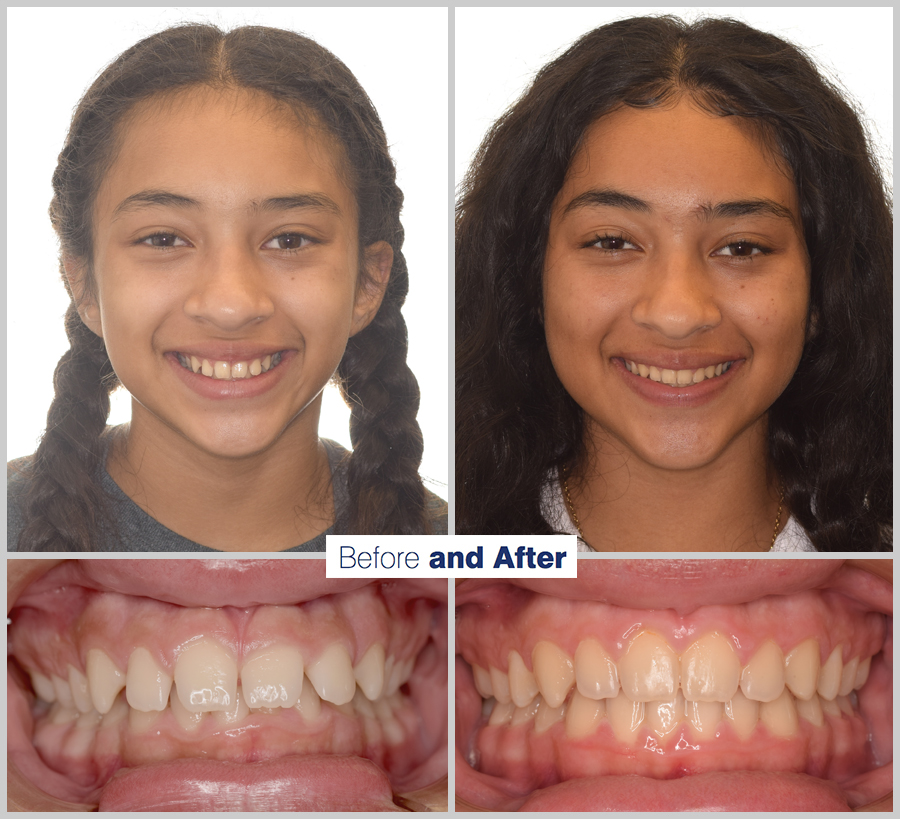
x=166, y=199
x=723, y=210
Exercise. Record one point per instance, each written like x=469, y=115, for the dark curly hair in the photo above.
x=830, y=437
x=63, y=504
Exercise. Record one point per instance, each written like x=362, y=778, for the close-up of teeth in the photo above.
x=224, y=371
x=678, y=378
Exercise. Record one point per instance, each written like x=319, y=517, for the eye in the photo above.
x=743, y=249
x=289, y=241
x=612, y=243
x=163, y=240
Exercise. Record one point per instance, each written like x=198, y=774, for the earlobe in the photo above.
x=379, y=259
x=86, y=303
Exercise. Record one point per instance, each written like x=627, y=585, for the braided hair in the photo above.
x=63, y=505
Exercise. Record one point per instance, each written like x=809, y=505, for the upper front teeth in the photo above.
x=229, y=372
x=677, y=378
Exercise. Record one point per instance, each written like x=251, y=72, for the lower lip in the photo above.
x=691, y=395
x=216, y=389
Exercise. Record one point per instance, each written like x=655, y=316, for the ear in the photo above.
x=84, y=300
x=373, y=281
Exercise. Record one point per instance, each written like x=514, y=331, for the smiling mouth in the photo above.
x=332, y=701
x=678, y=378
x=229, y=371
x=780, y=702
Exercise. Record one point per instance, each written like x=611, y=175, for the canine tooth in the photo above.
x=222, y=370
x=207, y=368
x=848, y=677
x=332, y=675
x=664, y=717
x=763, y=677
x=526, y=712
x=369, y=671
x=628, y=366
x=104, y=678
x=743, y=713
x=273, y=677
x=710, y=670
x=830, y=675
x=655, y=374
x=683, y=377
x=63, y=693
x=309, y=705
x=391, y=728
x=811, y=710
x=668, y=377
x=644, y=370
x=363, y=705
x=119, y=712
x=235, y=714
x=830, y=708
x=206, y=677
x=502, y=713
x=61, y=714
x=239, y=370
x=595, y=672
x=43, y=686
x=80, y=692
x=547, y=717
x=649, y=669
x=400, y=674
x=255, y=367
x=698, y=376
x=523, y=687
x=78, y=742
x=801, y=669
x=267, y=363
x=780, y=715
x=482, y=681
x=710, y=371
x=553, y=671
x=719, y=368
x=862, y=673
x=500, y=685
x=187, y=720
x=195, y=364
x=140, y=722
x=583, y=716
x=625, y=717
x=704, y=716
x=844, y=704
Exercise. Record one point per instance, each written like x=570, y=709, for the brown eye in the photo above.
x=288, y=241
x=612, y=243
x=742, y=249
x=164, y=240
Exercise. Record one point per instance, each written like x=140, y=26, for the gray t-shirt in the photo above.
x=138, y=532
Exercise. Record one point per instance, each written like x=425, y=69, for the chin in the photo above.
x=245, y=685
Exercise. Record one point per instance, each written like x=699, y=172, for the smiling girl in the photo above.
x=230, y=236
x=673, y=303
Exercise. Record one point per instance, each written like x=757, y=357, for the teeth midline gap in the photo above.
x=678, y=378
x=224, y=371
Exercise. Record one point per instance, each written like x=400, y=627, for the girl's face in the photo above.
x=226, y=264
x=676, y=283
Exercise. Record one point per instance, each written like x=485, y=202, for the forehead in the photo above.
x=678, y=158
x=224, y=147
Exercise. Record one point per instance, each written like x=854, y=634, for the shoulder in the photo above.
x=16, y=480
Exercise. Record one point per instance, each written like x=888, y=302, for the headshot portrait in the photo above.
x=674, y=279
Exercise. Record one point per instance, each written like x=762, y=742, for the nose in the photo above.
x=677, y=298
x=230, y=291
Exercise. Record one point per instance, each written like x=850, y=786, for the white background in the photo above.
x=400, y=56
x=499, y=50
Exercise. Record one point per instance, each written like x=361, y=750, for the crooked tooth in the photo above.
x=267, y=363
x=848, y=677
x=801, y=669
x=222, y=370
x=719, y=368
x=309, y=705
x=743, y=713
x=683, y=377
x=583, y=715
x=710, y=371
x=780, y=715
x=391, y=728
x=644, y=370
x=239, y=370
x=80, y=692
x=553, y=671
x=500, y=686
x=655, y=374
x=482, y=681
x=188, y=720
x=147, y=684
x=61, y=714
x=400, y=673
x=595, y=672
x=704, y=716
x=255, y=367
x=206, y=677
x=332, y=675
x=830, y=675
x=207, y=368
x=63, y=693
x=649, y=669
x=763, y=677
x=273, y=677
x=546, y=716
x=43, y=686
x=668, y=377
x=862, y=673
x=195, y=364
x=238, y=712
x=699, y=375
x=523, y=687
x=502, y=713
x=105, y=679
x=525, y=713
x=625, y=717
x=811, y=711
x=710, y=669
x=369, y=671
x=664, y=717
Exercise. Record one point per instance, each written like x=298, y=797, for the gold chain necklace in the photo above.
x=574, y=514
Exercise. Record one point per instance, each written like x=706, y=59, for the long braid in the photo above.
x=64, y=506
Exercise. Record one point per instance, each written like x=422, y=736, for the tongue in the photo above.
x=298, y=783
x=735, y=791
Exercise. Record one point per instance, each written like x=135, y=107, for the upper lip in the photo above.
x=228, y=351
x=679, y=360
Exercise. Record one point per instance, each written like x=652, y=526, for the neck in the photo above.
x=268, y=501
x=624, y=504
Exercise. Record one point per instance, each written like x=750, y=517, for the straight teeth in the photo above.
x=224, y=371
x=678, y=378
